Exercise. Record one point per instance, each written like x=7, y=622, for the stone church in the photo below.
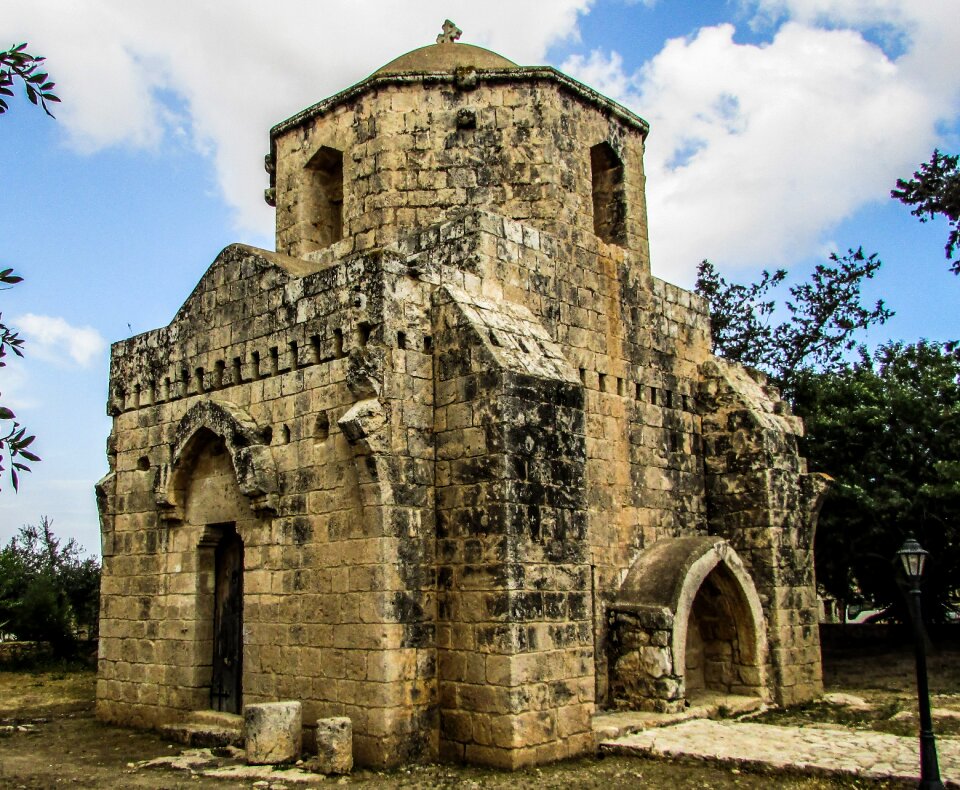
x=450, y=461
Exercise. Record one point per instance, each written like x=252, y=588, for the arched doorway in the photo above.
x=219, y=514
x=686, y=622
x=720, y=647
x=217, y=498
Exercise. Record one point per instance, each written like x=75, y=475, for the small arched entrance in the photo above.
x=220, y=514
x=720, y=645
x=686, y=622
x=215, y=496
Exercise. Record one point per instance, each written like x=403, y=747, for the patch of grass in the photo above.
x=819, y=712
x=27, y=694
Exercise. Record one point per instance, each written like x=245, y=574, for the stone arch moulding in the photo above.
x=252, y=460
x=662, y=585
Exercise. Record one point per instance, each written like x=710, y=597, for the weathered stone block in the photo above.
x=334, y=745
x=273, y=732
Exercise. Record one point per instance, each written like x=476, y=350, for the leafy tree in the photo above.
x=18, y=64
x=822, y=317
x=887, y=429
x=935, y=190
x=13, y=439
x=47, y=592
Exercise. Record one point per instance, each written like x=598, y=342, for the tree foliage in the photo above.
x=887, y=429
x=822, y=316
x=935, y=190
x=47, y=592
x=14, y=440
x=18, y=64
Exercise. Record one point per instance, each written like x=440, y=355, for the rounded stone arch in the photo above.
x=243, y=440
x=669, y=584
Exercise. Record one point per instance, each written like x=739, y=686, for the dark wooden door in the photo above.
x=226, y=688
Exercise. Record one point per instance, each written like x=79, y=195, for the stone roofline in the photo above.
x=466, y=77
x=398, y=258
x=406, y=246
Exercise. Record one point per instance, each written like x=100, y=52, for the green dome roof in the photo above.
x=446, y=57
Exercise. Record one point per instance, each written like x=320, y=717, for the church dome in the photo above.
x=446, y=56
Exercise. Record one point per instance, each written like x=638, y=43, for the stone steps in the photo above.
x=207, y=728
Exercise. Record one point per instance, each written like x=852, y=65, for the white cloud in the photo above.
x=755, y=152
x=53, y=339
x=243, y=66
x=761, y=149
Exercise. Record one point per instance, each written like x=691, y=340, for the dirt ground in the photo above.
x=49, y=737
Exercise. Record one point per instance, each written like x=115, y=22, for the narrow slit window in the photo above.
x=363, y=333
x=274, y=360
x=321, y=427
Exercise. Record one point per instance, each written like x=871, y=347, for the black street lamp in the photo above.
x=914, y=558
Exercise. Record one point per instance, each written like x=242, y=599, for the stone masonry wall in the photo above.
x=446, y=420
x=515, y=642
x=765, y=503
x=635, y=342
x=418, y=149
x=339, y=572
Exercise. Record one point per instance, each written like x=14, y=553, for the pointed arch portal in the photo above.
x=687, y=620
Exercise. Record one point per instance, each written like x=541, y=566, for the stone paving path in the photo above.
x=819, y=750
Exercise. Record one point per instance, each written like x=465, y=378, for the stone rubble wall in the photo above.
x=642, y=673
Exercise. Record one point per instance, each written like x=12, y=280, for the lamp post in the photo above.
x=914, y=558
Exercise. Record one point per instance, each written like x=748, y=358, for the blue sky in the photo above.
x=778, y=129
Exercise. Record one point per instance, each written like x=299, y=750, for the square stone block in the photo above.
x=334, y=745
x=273, y=732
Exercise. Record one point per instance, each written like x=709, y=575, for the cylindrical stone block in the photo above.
x=334, y=745
x=273, y=732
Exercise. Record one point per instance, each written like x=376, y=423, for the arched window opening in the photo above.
x=322, y=201
x=609, y=200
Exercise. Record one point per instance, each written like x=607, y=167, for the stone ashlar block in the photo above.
x=273, y=732
x=334, y=745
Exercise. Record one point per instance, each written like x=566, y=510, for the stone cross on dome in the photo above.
x=450, y=33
